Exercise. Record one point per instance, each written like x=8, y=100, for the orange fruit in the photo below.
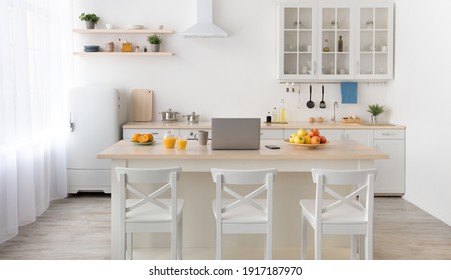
x=143, y=138
x=150, y=137
x=135, y=137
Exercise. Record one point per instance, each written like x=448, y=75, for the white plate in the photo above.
x=135, y=26
x=143, y=143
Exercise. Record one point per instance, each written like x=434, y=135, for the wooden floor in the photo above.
x=78, y=227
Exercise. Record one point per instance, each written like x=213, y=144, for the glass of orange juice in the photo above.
x=169, y=142
x=181, y=143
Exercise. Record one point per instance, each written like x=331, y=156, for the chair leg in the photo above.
x=303, y=238
x=354, y=247
x=218, y=243
x=368, y=247
x=268, y=246
x=180, y=239
x=129, y=248
x=317, y=244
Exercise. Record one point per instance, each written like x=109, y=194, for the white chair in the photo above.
x=146, y=212
x=350, y=213
x=243, y=214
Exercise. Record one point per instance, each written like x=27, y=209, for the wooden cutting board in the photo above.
x=141, y=105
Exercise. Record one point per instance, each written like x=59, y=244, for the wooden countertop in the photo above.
x=290, y=125
x=335, y=150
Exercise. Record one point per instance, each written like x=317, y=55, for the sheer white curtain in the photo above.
x=35, y=72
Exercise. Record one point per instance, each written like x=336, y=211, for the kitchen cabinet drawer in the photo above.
x=157, y=133
x=389, y=134
x=271, y=134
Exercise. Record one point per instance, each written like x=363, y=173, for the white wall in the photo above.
x=235, y=76
x=420, y=97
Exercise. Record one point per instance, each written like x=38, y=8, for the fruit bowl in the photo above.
x=308, y=146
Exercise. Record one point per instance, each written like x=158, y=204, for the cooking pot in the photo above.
x=193, y=118
x=169, y=115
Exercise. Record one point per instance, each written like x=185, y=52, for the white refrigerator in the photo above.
x=96, y=118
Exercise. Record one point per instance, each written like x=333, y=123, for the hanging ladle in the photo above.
x=322, y=104
x=310, y=103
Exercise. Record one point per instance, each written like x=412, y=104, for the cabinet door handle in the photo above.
x=388, y=134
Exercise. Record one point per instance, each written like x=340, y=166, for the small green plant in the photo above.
x=375, y=109
x=154, y=39
x=89, y=17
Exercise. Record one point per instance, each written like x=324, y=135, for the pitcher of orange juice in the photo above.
x=169, y=140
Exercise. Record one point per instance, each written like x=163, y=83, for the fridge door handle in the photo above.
x=71, y=123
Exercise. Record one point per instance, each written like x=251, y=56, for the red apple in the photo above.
x=315, y=140
x=314, y=132
x=322, y=139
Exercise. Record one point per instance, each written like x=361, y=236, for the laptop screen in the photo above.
x=235, y=133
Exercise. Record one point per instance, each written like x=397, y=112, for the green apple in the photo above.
x=307, y=139
x=291, y=139
x=302, y=132
x=299, y=139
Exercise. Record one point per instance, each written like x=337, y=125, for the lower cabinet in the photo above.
x=391, y=177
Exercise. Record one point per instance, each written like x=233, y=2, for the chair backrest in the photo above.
x=129, y=177
x=360, y=197
x=226, y=177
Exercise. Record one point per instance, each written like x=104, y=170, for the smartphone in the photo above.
x=272, y=147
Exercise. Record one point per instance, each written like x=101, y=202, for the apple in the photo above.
x=315, y=140
x=299, y=139
x=292, y=137
x=302, y=132
x=307, y=139
x=322, y=139
x=314, y=132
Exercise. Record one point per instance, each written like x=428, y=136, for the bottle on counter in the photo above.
x=282, y=112
x=275, y=116
x=340, y=44
x=268, y=117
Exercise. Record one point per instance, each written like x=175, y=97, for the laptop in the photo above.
x=235, y=133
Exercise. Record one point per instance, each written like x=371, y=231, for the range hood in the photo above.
x=204, y=27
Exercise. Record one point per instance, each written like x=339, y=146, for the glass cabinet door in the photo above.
x=336, y=41
x=297, y=44
x=375, y=43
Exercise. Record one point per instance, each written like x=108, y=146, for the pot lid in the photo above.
x=168, y=111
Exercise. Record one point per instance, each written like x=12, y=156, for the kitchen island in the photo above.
x=292, y=183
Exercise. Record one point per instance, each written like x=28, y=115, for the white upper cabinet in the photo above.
x=335, y=41
x=297, y=41
x=374, y=56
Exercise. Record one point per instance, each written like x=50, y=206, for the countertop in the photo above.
x=289, y=125
x=336, y=150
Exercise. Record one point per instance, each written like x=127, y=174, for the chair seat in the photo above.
x=150, y=213
x=243, y=214
x=342, y=214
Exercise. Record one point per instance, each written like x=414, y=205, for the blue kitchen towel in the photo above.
x=348, y=92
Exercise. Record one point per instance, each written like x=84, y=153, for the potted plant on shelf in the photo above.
x=155, y=42
x=375, y=110
x=91, y=20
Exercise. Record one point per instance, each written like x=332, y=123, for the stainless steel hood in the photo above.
x=204, y=27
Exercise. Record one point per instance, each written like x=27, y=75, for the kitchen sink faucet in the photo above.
x=334, y=118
